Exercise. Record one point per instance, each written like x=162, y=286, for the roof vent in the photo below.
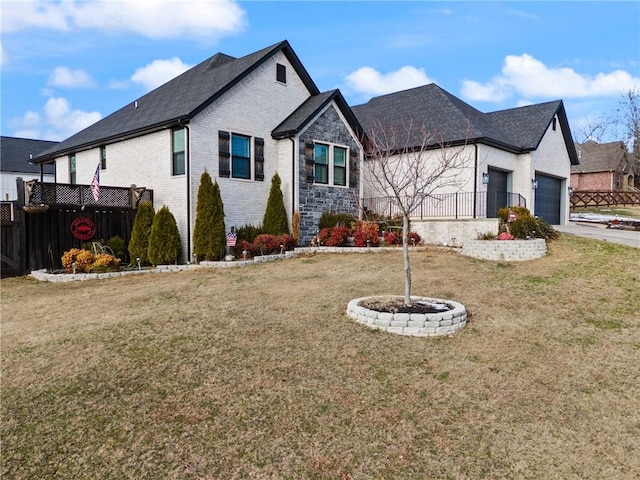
x=135, y=104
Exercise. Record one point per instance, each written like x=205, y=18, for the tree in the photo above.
x=275, y=219
x=209, y=238
x=410, y=162
x=139, y=243
x=164, y=242
x=629, y=117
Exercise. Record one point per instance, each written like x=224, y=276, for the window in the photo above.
x=281, y=73
x=329, y=164
x=72, y=168
x=103, y=157
x=240, y=156
x=321, y=163
x=178, y=149
x=340, y=166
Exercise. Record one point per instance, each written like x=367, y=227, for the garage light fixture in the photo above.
x=534, y=183
x=485, y=178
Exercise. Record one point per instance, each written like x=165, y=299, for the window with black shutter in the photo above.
x=223, y=154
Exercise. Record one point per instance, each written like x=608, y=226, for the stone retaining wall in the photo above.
x=413, y=324
x=505, y=250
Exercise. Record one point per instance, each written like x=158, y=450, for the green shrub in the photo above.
x=209, y=237
x=503, y=213
x=523, y=227
x=275, y=220
x=118, y=247
x=139, y=243
x=164, y=242
x=544, y=230
x=333, y=219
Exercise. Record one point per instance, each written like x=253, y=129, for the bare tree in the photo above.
x=591, y=129
x=628, y=115
x=409, y=163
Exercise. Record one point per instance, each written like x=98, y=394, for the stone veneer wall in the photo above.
x=315, y=199
x=505, y=250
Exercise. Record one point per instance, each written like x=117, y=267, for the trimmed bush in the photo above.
x=334, y=236
x=86, y=262
x=164, y=242
x=503, y=213
x=275, y=220
x=295, y=227
x=366, y=231
x=139, y=243
x=209, y=237
x=265, y=244
x=333, y=219
x=118, y=247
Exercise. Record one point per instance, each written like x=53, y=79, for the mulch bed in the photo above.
x=397, y=305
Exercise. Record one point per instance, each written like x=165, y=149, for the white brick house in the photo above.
x=522, y=153
x=240, y=119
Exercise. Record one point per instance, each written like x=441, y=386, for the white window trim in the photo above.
x=330, y=165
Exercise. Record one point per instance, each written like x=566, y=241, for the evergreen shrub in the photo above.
x=164, y=242
x=139, y=243
x=275, y=220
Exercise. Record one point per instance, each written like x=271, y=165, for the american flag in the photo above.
x=95, y=184
x=231, y=239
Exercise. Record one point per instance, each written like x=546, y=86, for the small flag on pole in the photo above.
x=231, y=239
x=95, y=184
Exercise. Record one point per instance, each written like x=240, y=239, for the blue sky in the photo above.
x=66, y=64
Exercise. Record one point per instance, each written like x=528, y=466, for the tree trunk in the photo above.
x=405, y=255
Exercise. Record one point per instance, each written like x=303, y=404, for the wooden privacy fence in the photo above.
x=49, y=219
x=604, y=198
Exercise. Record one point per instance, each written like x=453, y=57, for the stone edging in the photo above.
x=505, y=250
x=414, y=324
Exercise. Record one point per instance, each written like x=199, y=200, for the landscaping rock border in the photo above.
x=412, y=324
x=505, y=250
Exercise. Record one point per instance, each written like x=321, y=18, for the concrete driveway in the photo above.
x=600, y=232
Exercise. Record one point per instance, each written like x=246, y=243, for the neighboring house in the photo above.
x=525, y=151
x=16, y=156
x=603, y=167
x=242, y=120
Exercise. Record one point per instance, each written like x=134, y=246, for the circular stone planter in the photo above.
x=413, y=324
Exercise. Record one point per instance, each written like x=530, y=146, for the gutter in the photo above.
x=187, y=166
x=475, y=181
x=293, y=178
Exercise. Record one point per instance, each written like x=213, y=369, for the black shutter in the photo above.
x=258, y=144
x=309, y=163
x=223, y=154
x=353, y=168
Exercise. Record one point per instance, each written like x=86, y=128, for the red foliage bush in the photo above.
x=334, y=236
x=395, y=238
x=366, y=231
x=506, y=236
x=265, y=244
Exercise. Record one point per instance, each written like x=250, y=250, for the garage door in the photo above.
x=547, y=199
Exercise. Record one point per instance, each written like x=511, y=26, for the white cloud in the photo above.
x=150, y=18
x=56, y=122
x=67, y=78
x=526, y=76
x=369, y=81
x=21, y=15
x=158, y=72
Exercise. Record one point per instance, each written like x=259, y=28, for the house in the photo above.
x=603, y=167
x=240, y=119
x=516, y=156
x=16, y=161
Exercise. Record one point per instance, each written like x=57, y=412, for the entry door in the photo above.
x=547, y=198
x=497, y=197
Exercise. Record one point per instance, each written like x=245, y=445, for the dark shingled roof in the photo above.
x=601, y=157
x=15, y=154
x=177, y=100
x=300, y=118
x=516, y=130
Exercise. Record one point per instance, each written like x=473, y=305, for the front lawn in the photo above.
x=256, y=372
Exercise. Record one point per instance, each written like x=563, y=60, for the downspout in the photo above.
x=293, y=178
x=475, y=182
x=187, y=166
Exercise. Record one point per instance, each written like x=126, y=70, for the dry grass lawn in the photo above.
x=255, y=373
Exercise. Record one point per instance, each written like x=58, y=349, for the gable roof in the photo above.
x=601, y=157
x=178, y=100
x=517, y=130
x=301, y=117
x=16, y=153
